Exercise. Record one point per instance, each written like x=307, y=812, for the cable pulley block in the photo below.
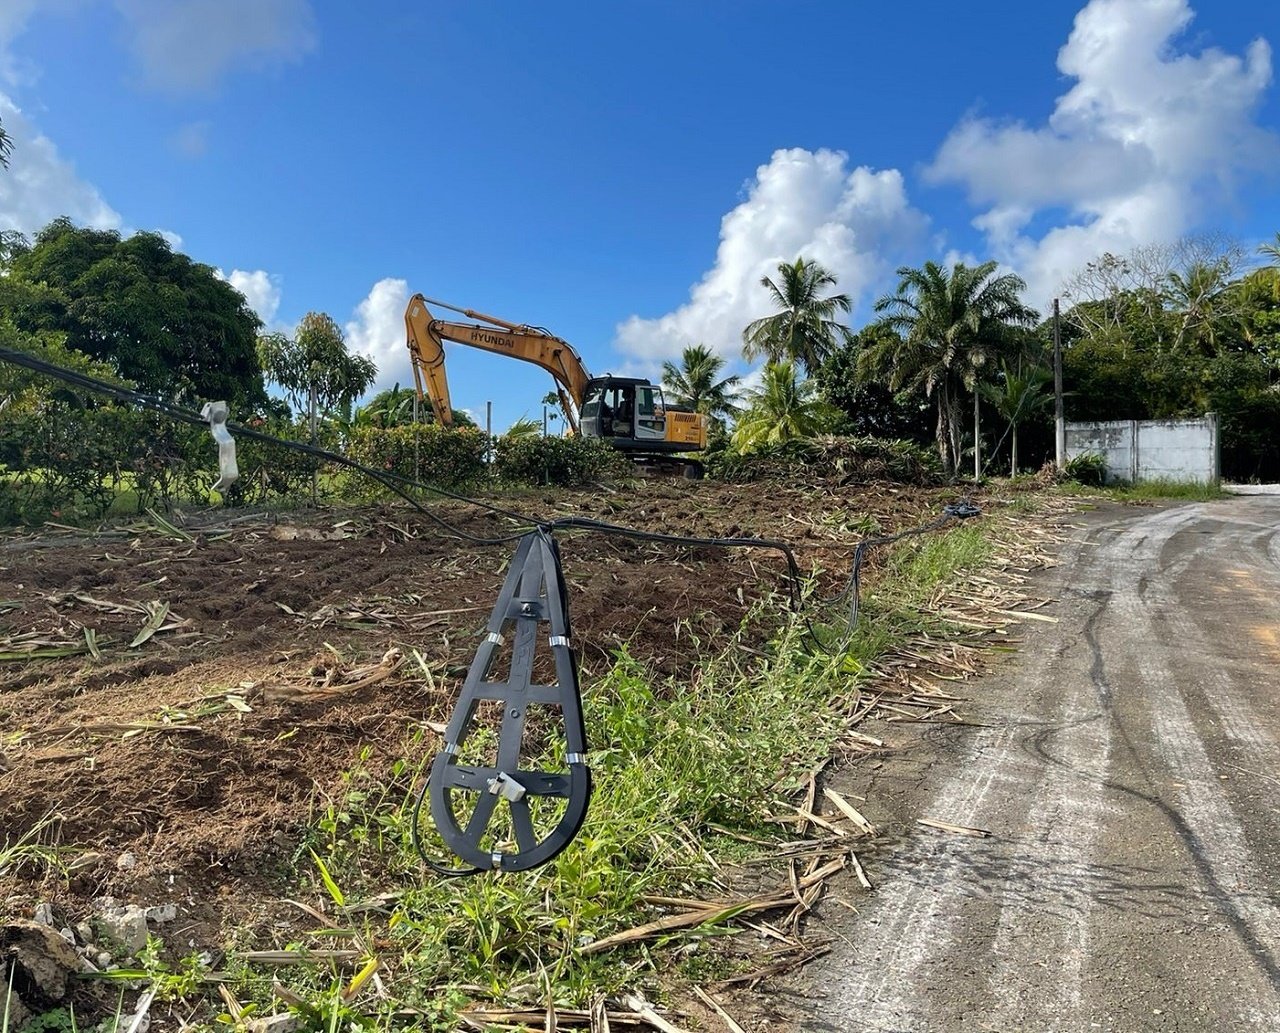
x=496, y=813
x=962, y=510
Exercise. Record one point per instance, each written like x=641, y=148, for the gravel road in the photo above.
x=1128, y=768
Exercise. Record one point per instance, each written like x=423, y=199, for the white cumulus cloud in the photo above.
x=1146, y=137
x=377, y=330
x=185, y=46
x=260, y=288
x=856, y=222
x=41, y=185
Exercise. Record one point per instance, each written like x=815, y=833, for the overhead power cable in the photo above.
x=524, y=521
x=533, y=592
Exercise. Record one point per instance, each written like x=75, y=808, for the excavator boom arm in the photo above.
x=426, y=337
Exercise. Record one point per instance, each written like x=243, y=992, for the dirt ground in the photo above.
x=186, y=768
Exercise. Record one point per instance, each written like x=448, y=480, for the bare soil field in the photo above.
x=222, y=680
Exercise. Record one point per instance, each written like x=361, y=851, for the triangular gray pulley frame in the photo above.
x=532, y=598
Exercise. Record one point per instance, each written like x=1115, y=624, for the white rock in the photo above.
x=162, y=913
x=127, y=926
x=282, y=1023
x=127, y=861
x=103, y=959
x=44, y=914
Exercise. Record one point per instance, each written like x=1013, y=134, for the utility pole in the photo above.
x=417, y=436
x=1059, y=421
x=544, y=419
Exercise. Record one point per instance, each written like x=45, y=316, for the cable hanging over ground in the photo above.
x=533, y=594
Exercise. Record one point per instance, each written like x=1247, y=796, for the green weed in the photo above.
x=1148, y=491
x=35, y=847
x=1162, y=488
x=683, y=773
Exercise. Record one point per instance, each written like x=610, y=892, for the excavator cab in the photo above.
x=633, y=416
x=628, y=412
x=624, y=411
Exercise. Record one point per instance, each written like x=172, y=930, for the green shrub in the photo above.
x=165, y=461
x=450, y=457
x=61, y=457
x=527, y=459
x=842, y=459
x=1087, y=468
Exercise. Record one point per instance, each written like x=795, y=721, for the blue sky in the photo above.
x=624, y=173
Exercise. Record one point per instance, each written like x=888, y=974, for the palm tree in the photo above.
x=1271, y=250
x=1018, y=397
x=946, y=327
x=781, y=409
x=693, y=383
x=390, y=408
x=525, y=427
x=805, y=330
x=1201, y=301
x=6, y=147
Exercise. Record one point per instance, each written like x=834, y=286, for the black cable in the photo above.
x=795, y=580
x=183, y=415
x=603, y=527
x=851, y=591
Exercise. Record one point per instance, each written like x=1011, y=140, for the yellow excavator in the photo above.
x=628, y=412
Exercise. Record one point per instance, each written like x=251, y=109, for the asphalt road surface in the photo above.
x=1129, y=771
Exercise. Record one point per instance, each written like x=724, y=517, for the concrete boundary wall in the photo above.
x=1145, y=450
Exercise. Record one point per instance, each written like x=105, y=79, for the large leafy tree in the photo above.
x=697, y=383
x=783, y=408
x=805, y=329
x=939, y=333
x=870, y=408
x=314, y=369
x=1257, y=297
x=168, y=324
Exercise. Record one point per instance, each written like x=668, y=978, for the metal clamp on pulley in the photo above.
x=498, y=814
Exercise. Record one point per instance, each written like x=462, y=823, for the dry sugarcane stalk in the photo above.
x=857, y=868
x=715, y=1006
x=851, y=812
x=645, y=1010
x=683, y=921
x=959, y=830
x=776, y=969
x=297, y=957
x=599, y=1016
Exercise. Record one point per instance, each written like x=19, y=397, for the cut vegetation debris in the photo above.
x=278, y=718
